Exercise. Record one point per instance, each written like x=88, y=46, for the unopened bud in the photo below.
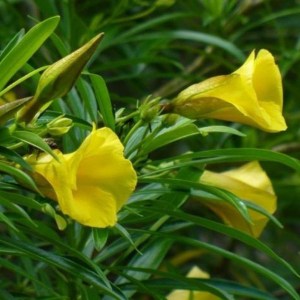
x=58, y=79
x=149, y=110
x=59, y=126
x=60, y=221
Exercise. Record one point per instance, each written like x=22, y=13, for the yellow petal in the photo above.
x=251, y=95
x=221, y=97
x=100, y=162
x=195, y=272
x=92, y=206
x=49, y=173
x=247, y=68
x=267, y=79
x=90, y=184
x=250, y=183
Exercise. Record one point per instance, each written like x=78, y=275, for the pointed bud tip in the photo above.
x=97, y=38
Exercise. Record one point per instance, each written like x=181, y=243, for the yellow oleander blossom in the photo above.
x=249, y=182
x=195, y=272
x=90, y=184
x=251, y=95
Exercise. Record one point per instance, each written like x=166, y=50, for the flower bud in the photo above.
x=149, y=109
x=58, y=79
x=59, y=126
x=60, y=221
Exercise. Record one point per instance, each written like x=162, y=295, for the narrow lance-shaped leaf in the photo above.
x=15, y=157
x=7, y=110
x=12, y=43
x=58, y=79
x=34, y=140
x=103, y=100
x=29, y=44
x=19, y=175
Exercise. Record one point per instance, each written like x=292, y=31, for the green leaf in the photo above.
x=70, y=266
x=226, y=230
x=20, y=80
x=232, y=155
x=8, y=222
x=218, y=287
x=224, y=129
x=125, y=234
x=19, y=175
x=29, y=44
x=173, y=283
x=15, y=157
x=186, y=184
x=12, y=43
x=200, y=37
x=152, y=255
x=142, y=27
x=182, y=129
x=247, y=263
x=22, y=200
x=33, y=140
x=5, y=137
x=7, y=110
x=88, y=99
x=5, y=263
x=135, y=140
x=240, y=290
x=17, y=209
x=100, y=236
x=103, y=99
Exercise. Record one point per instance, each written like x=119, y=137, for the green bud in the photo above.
x=58, y=79
x=149, y=109
x=59, y=126
x=60, y=221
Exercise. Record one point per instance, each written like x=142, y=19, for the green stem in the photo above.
x=128, y=117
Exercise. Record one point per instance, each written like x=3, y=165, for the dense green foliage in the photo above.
x=151, y=50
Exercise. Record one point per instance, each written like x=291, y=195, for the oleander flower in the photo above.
x=195, y=272
x=251, y=95
x=249, y=182
x=92, y=183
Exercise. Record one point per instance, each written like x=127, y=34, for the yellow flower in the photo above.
x=249, y=182
x=90, y=184
x=195, y=272
x=251, y=95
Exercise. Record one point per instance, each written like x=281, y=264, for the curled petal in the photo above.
x=250, y=183
x=251, y=95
